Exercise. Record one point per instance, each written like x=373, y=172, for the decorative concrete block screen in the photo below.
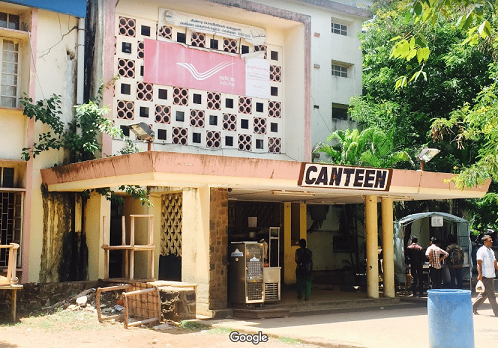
x=183, y=116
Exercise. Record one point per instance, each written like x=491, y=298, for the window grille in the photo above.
x=339, y=29
x=9, y=73
x=339, y=70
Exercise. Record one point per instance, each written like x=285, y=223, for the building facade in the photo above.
x=255, y=81
x=39, y=59
x=237, y=93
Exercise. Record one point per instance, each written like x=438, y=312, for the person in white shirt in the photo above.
x=486, y=266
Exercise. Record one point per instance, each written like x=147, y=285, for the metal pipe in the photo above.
x=81, y=61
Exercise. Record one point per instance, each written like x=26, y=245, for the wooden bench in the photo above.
x=10, y=281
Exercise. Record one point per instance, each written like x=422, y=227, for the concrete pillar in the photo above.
x=372, y=246
x=388, y=246
x=302, y=221
x=289, y=249
x=97, y=228
x=195, y=243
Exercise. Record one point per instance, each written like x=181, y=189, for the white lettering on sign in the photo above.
x=334, y=176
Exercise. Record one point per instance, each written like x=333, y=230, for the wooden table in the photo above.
x=13, y=297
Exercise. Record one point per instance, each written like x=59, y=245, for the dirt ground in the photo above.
x=80, y=328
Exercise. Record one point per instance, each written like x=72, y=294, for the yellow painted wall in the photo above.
x=55, y=41
x=156, y=211
x=289, y=249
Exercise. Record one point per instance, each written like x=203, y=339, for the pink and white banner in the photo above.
x=171, y=64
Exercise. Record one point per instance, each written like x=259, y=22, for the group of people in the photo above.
x=486, y=267
x=416, y=257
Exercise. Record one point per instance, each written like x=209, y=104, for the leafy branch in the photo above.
x=80, y=137
x=471, y=17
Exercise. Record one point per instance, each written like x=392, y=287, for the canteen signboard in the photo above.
x=344, y=177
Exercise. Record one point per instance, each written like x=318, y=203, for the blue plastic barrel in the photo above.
x=451, y=321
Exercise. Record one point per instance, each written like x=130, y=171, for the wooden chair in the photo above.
x=10, y=281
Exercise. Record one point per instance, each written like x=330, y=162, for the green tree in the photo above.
x=371, y=147
x=450, y=106
x=475, y=19
x=456, y=74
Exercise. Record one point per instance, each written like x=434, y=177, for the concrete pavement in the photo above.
x=380, y=328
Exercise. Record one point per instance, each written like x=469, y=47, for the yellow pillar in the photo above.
x=372, y=246
x=302, y=221
x=388, y=246
x=289, y=249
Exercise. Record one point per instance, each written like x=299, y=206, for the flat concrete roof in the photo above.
x=248, y=178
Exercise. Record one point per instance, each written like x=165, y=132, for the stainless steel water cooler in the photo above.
x=246, y=272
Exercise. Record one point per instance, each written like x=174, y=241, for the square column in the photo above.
x=388, y=246
x=372, y=246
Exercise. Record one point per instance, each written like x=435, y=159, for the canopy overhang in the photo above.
x=248, y=178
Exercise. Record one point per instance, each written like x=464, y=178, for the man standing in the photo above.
x=486, y=265
x=434, y=253
x=416, y=258
x=304, y=261
x=455, y=263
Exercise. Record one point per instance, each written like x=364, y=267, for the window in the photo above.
x=196, y=138
x=339, y=70
x=126, y=47
x=10, y=69
x=9, y=21
x=180, y=116
x=228, y=141
x=339, y=29
x=244, y=49
x=213, y=44
x=10, y=225
x=259, y=144
x=213, y=120
x=229, y=103
x=274, y=55
x=244, y=124
x=144, y=111
x=161, y=134
x=125, y=88
x=145, y=30
x=274, y=91
x=6, y=177
x=11, y=204
x=125, y=130
x=197, y=98
x=181, y=37
x=274, y=127
x=339, y=112
x=163, y=93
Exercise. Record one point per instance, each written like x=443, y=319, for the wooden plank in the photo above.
x=145, y=321
x=123, y=230
x=138, y=292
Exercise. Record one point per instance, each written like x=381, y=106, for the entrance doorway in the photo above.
x=116, y=256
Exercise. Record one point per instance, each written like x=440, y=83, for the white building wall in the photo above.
x=283, y=36
x=327, y=47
